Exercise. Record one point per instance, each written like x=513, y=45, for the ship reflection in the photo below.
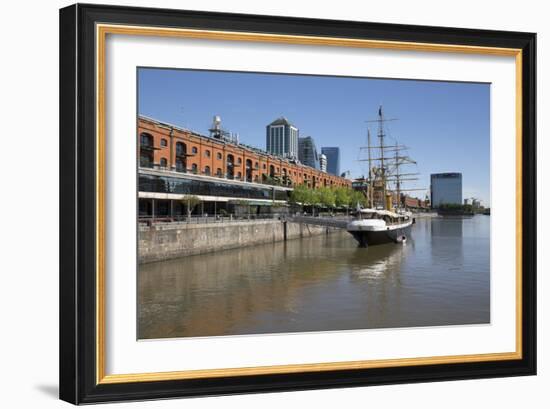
x=377, y=261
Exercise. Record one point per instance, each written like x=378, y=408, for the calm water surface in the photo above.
x=440, y=277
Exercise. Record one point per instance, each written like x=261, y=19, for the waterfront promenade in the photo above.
x=161, y=241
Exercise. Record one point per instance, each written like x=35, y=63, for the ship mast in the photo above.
x=383, y=171
x=397, y=180
x=381, y=141
x=371, y=184
x=389, y=170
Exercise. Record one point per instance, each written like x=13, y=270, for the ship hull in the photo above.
x=367, y=238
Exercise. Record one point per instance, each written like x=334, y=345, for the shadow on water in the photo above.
x=316, y=284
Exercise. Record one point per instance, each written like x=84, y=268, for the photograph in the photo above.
x=271, y=203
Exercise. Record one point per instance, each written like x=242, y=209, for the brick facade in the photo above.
x=165, y=146
x=413, y=202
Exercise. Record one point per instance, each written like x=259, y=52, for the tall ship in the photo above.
x=384, y=220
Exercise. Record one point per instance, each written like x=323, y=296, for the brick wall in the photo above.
x=206, y=155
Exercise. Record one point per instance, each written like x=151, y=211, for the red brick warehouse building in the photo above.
x=174, y=162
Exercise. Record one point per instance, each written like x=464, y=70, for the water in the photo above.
x=439, y=277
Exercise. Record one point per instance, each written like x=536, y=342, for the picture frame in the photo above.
x=83, y=181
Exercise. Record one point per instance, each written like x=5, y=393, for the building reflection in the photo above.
x=446, y=239
x=225, y=292
x=208, y=294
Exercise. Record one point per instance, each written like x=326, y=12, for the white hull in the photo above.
x=372, y=231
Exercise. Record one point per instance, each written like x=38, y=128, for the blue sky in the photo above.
x=446, y=125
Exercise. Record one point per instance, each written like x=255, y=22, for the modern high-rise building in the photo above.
x=333, y=159
x=282, y=138
x=323, y=162
x=446, y=188
x=307, y=152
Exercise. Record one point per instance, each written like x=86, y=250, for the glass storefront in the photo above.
x=165, y=184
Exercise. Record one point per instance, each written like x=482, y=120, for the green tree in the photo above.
x=327, y=197
x=301, y=194
x=315, y=197
x=357, y=197
x=190, y=202
x=342, y=196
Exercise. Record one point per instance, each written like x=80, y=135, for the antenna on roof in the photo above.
x=216, y=128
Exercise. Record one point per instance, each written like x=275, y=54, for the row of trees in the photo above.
x=455, y=208
x=327, y=197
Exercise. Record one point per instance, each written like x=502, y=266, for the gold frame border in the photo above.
x=101, y=32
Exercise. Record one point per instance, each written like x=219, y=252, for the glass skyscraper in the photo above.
x=446, y=188
x=307, y=152
x=282, y=138
x=323, y=162
x=333, y=159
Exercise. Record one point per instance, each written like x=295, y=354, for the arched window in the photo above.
x=180, y=165
x=145, y=150
x=264, y=166
x=271, y=171
x=194, y=150
x=219, y=172
x=146, y=139
x=163, y=163
x=163, y=143
x=230, y=167
x=239, y=175
x=207, y=170
x=239, y=161
x=219, y=155
x=285, y=177
x=207, y=153
x=194, y=168
x=181, y=149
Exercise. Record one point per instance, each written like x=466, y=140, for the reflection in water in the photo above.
x=441, y=277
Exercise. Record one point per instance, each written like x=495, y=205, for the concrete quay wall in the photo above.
x=161, y=242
